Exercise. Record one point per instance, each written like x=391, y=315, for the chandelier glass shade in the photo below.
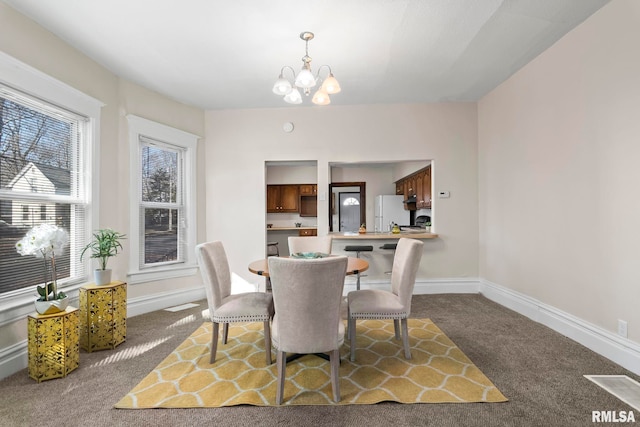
x=305, y=80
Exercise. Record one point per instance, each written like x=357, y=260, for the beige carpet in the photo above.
x=437, y=373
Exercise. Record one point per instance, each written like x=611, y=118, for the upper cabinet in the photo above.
x=417, y=184
x=308, y=189
x=400, y=188
x=283, y=198
x=293, y=198
x=308, y=200
x=423, y=188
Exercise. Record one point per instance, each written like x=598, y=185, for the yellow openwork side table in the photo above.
x=53, y=344
x=103, y=316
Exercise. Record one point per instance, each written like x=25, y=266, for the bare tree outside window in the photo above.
x=160, y=203
x=35, y=160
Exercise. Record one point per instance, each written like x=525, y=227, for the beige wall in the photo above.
x=31, y=44
x=558, y=174
x=239, y=142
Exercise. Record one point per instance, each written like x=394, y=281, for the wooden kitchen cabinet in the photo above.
x=410, y=186
x=308, y=190
x=417, y=184
x=423, y=189
x=308, y=200
x=283, y=198
x=308, y=232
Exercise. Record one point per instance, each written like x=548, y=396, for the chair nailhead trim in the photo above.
x=254, y=318
x=379, y=316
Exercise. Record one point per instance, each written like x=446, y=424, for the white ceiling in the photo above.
x=226, y=54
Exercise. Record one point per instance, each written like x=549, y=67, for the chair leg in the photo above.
x=214, y=343
x=335, y=376
x=396, y=328
x=405, y=338
x=281, y=362
x=352, y=338
x=225, y=332
x=358, y=281
x=267, y=341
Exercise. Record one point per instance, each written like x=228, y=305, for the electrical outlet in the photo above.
x=622, y=328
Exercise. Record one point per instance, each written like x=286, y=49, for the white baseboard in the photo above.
x=620, y=350
x=424, y=286
x=15, y=358
x=148, y=303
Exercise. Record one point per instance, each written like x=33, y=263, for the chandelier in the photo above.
x=305, y=80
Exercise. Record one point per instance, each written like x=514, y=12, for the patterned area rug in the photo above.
x=437, y=373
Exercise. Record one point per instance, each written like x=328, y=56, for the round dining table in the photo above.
x=354, y=266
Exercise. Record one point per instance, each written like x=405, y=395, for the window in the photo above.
x=161, y=204
x=163, y=215
x=42, y=180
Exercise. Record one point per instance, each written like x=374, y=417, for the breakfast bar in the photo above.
x=379, y=255
x=382, y=235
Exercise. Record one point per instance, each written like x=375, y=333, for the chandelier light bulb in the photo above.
x=321, y=98
x=282, y=86
x=305, y=79
x=293, y=97
x=331, y=85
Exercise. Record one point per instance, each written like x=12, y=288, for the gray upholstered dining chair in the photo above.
x=226, y=308
x=307, y=295
x=299, y=244
x=394, y=304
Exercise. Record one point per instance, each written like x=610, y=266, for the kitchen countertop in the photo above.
x=380, y=235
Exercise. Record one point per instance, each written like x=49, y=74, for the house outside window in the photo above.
x=163, y=209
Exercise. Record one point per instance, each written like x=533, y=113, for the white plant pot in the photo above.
x=53, y=306
x=102, y=277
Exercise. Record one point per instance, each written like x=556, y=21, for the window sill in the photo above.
x=161, y=273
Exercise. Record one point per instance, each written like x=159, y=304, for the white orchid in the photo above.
x=45, y=241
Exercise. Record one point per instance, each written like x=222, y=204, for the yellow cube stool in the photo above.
x=103, y=316
x=53, y=344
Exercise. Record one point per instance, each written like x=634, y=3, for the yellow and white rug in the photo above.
x=437, y=373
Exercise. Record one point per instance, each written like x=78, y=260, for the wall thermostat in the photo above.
x=287, y=127
x=443, y=194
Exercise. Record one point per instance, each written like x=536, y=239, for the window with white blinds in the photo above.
x=163, y=209
x=43, y=162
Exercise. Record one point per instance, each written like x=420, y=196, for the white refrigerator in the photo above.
x=390, y=208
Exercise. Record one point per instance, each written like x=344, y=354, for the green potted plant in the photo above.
x=46, y=241
x=104, y=244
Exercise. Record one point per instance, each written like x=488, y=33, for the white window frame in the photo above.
x=31, y=81
x=139, y=126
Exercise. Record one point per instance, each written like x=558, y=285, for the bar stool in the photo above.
x=357, y=249
x=389, y=246
x=272, y=250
